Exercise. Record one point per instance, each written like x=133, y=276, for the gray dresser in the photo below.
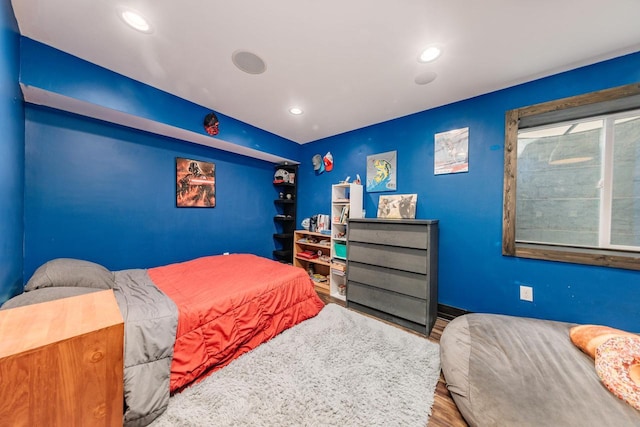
x=392, y=270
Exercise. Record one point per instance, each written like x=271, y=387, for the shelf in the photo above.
x=313, y=233
x=313, y=265
x=315, y=245
x=282, y=254
x=338, y=296
x=285, y=217
x=283, y=236
x=314, y=261
x=322, y=285
x=284, y=184
x=346, y=202
x=320, y=282
x=340, y=267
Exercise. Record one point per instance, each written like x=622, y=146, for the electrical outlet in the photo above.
x=526, y=293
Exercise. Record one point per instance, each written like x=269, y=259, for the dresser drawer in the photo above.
x=402, y=282
x=399, y=305
x=413, y=260
x=406, y=235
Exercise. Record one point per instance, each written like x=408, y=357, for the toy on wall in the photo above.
x=318, y=164
x=322, y=164
x=328, y=161
x=211, y=124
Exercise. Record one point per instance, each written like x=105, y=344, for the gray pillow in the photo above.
x=71, y=272
x=44, y=295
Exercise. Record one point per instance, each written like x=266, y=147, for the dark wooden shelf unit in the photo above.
x=285, y=216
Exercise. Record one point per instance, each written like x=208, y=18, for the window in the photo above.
x=572, y=180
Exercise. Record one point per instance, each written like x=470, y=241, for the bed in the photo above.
x=513, y=371
x=184, y=320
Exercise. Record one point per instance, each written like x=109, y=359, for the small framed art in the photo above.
x=451, y=152
x=381, y=172
x=195, y=183
x=397, y=206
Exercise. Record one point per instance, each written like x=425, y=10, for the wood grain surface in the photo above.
x=61, y=363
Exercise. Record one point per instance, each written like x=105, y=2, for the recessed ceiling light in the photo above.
x=429, y=54
x=296, y=111
x=248, y=62
x=135, y=20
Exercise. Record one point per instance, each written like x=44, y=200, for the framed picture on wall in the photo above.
x=451, y=152
x=195, y=183
x=381, y=172
x=397, y=206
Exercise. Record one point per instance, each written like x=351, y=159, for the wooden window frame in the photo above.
x=594, y=103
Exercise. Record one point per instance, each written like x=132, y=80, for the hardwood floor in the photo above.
x=444, y=412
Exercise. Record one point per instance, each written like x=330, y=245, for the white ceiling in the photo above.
x=346, y=63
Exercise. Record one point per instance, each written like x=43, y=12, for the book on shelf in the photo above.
x=321, y=224
x=308, y=255
x=344, y=215
x=338, y=264
x=337, y=272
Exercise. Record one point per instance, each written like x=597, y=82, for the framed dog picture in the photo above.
x=397, y=206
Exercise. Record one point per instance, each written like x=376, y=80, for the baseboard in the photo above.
x=449, y=313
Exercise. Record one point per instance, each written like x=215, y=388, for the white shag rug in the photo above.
x=340, y=368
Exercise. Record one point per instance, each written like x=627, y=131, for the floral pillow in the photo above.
x=617, y=358
x=588, y=337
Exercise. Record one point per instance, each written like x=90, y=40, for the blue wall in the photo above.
x=54, y=71
x=473, y=274
x=11, y=157
x=106, y=193
x=103, y=192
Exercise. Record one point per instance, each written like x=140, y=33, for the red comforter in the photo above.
x=228, y=305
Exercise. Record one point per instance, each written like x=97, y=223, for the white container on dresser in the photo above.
x=346, y=203
x=392, y=270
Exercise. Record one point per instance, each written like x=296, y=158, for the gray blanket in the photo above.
x=514, y=371
x=150, y=322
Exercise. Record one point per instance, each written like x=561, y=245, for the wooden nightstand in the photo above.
x=61, y=362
